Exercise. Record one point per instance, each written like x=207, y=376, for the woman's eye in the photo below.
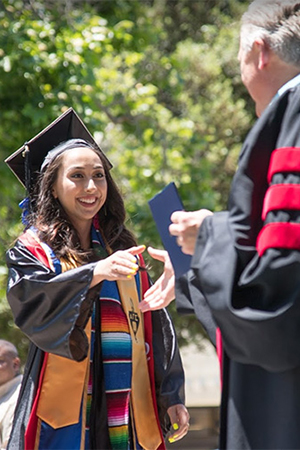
x=76, y=175
x=100, y=175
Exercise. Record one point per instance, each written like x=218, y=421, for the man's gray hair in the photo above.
x=277, y=22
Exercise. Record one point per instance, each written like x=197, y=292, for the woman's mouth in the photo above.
x=88, y=200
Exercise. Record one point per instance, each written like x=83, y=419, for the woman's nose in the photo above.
x=90, y=185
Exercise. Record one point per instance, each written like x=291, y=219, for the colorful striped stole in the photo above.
x=117, y=364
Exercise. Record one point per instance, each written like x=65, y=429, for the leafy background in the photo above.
x=156, y=81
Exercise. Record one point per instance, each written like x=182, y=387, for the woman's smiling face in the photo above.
x=81, y=185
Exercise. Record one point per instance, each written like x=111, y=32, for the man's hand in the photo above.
x=185, y=226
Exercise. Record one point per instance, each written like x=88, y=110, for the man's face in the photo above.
x=249, y=70
x=255, y=76
x=9, y=366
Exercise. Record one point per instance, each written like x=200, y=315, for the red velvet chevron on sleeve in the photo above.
x=278, y=235
x=281, y=196
x=285, y=159
x=285, y=235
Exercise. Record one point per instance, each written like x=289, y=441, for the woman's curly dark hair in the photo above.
x=54, y=226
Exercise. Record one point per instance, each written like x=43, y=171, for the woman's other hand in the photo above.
x=179, y=417
x=163, y=290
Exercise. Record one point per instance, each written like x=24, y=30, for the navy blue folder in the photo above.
x=162, y=206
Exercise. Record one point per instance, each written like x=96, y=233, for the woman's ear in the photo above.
x=54, y=193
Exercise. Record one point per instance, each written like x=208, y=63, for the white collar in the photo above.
x=289, y=85
x=9, y=385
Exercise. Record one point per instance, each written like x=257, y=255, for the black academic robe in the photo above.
x=253, y=296
x=52, y=310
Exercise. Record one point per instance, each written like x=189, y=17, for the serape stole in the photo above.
x=117, y=365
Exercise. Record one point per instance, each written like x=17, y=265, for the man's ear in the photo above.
x=263, y=53
x=17, y=364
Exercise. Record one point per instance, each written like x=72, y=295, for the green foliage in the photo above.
x=157, y=82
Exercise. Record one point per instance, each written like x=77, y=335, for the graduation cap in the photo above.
x=32, y=153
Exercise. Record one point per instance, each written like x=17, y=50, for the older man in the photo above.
x=10, y=382
x=245, y=272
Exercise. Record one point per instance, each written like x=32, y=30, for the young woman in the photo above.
x=100, y=374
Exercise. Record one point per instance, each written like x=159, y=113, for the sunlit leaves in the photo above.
x=157, y=84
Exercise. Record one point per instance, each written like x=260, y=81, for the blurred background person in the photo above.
x=10, y=382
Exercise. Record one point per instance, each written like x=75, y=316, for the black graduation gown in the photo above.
x=52, y=310
x=254, y=300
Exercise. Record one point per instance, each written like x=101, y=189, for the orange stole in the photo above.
x=62, y=389
x=64, y=384
x=146, y=425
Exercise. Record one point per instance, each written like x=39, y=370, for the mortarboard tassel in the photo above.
x=27, y=166
x=26, y=203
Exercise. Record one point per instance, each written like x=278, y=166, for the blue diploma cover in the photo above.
x=162, y=206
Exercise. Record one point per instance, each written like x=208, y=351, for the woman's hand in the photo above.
x=179, y=417
x=121, y=265
x=163, y=290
